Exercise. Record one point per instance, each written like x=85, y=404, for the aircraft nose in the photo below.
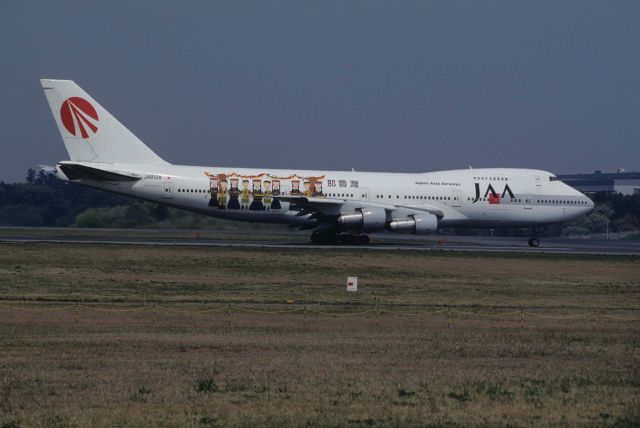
x=590, y=204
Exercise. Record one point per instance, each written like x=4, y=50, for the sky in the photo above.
x=399, y=86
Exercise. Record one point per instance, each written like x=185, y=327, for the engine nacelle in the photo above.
x=365, y=219
x=419, y=224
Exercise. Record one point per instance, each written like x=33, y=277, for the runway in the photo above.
x=379, y=243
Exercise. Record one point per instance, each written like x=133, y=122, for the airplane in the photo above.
x=337, y=206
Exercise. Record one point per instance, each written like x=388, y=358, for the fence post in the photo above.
x=305, y=315
x=377, y=309
x=76, y=313
x=521, y=319
x=593, y=321
x=229, y=315
x=154, y=313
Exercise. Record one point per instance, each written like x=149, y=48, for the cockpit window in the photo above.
x=552, y=178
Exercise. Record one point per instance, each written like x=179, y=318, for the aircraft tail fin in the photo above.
x=90, y=133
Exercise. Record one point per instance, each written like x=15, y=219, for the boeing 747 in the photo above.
x=337, y=206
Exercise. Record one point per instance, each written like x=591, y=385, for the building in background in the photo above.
x=626, y=183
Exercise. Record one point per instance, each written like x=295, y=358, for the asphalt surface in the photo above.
x=379, y=243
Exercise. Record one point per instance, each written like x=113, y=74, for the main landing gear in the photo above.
x=339, y=238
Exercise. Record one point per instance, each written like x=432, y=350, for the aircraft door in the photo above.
x=168, y=190
x=457, y=198
x=364, y=194
x=527, y=202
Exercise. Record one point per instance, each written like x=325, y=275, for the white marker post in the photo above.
x=352, y=284
x=352, y=287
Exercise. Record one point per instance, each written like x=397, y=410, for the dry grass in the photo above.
x=52, y=271
x=121, y=369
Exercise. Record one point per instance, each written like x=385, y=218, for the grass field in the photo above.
x=519, y=348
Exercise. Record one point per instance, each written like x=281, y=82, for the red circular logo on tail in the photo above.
x=76, y=114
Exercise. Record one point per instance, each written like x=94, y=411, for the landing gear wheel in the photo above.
x=316, y=238
x=346, y=238
x=534, y=242
x=324, y=238
x=364, y=239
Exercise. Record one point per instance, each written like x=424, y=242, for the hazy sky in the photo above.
x=382, y=86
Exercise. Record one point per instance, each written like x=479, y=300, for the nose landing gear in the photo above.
x=534, y=242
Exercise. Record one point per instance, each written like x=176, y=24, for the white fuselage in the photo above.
x=474, y=198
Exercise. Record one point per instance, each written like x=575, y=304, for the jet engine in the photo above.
x=365, y=219
x=419, y=224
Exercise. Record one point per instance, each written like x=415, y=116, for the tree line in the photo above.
x=43, y=200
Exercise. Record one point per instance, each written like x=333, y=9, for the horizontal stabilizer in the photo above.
x=83, y=172
x=47, y=169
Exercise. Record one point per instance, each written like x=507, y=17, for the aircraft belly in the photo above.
x=551, y=214
x=148, y=189
x=494, y=217
x=255, y=217
x=497, y=214
x=281, y=215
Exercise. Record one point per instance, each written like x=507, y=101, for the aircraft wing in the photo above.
x=332, y=206
x=309, y=200
x=431, y=209
x=305, y=205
